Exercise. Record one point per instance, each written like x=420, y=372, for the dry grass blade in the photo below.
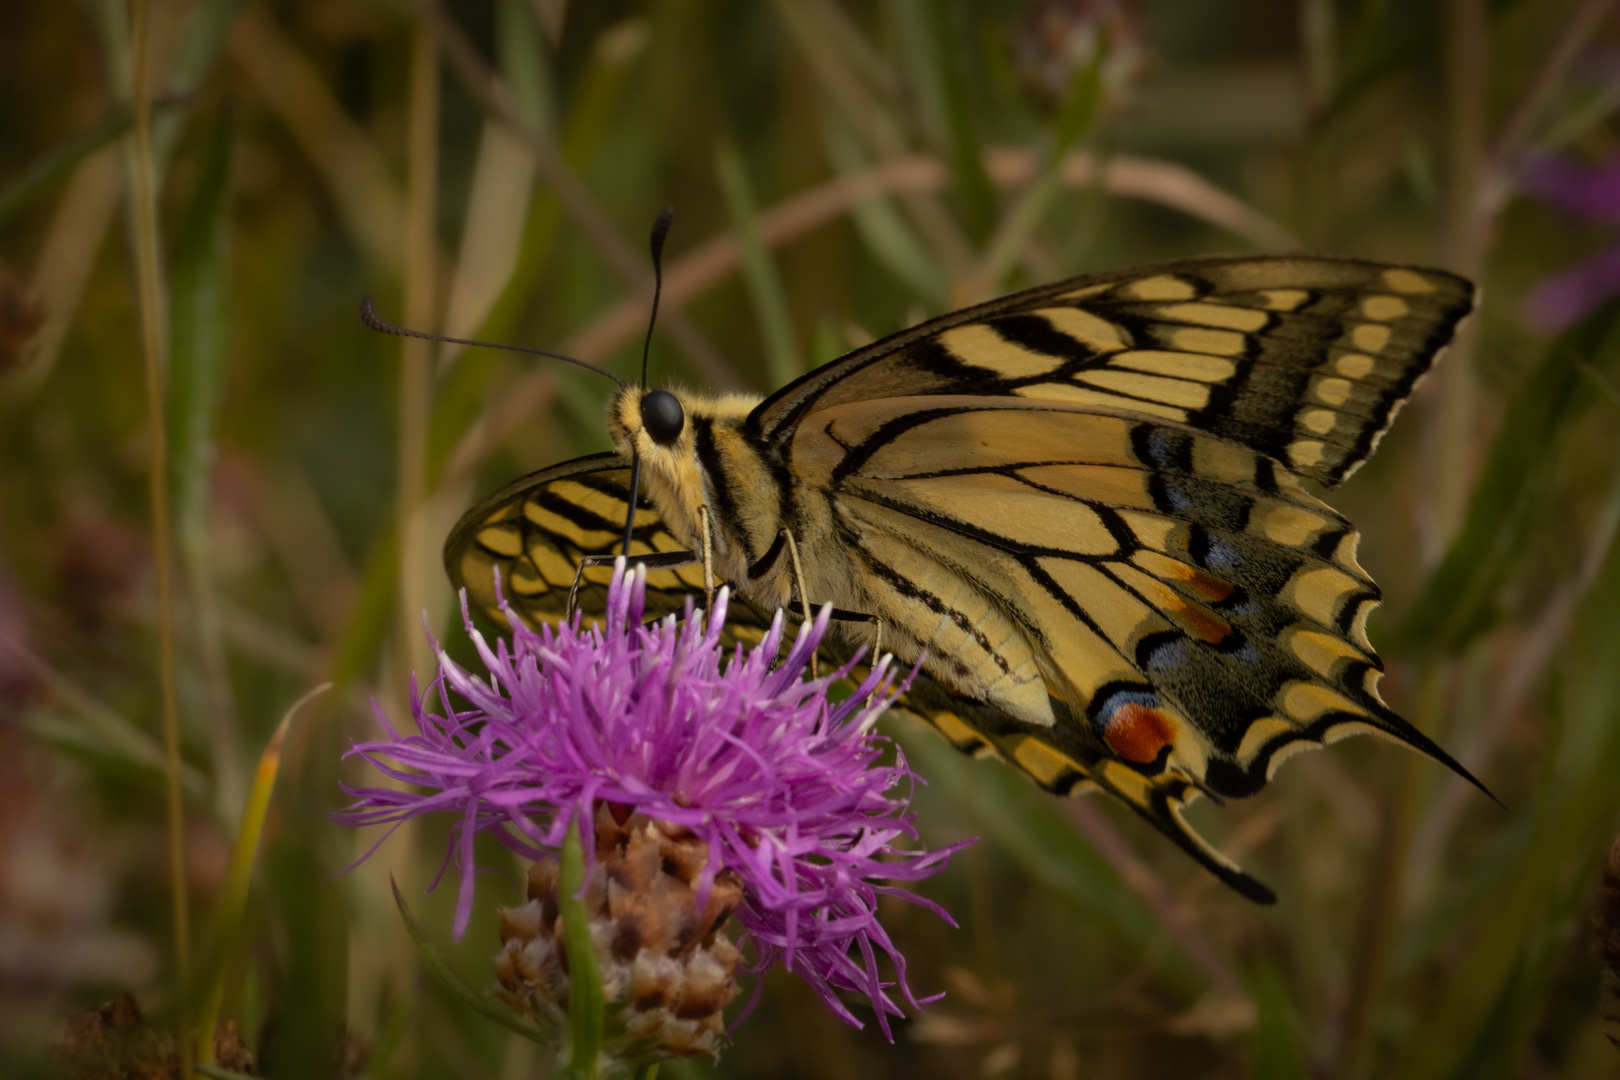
x=66, y=260
x=149, y=287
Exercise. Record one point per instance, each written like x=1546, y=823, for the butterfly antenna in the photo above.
x=369, y=316
x=660, y=232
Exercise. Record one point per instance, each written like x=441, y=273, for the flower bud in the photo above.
x=668, y=970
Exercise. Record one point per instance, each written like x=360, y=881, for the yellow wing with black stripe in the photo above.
x=1304, y=359
x=1193, y=613
x=534, y=534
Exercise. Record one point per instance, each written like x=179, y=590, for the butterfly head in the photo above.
x=652, y=423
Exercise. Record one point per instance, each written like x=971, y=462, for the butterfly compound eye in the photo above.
x=662, y=416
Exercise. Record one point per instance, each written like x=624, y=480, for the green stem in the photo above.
x=585, y=1003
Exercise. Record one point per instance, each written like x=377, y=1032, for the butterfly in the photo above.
x=1080, y=506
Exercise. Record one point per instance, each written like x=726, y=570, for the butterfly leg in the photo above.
x=798, y=583
x=841, y=615
x=708, y=558
x=877, y=651
x=662, y=560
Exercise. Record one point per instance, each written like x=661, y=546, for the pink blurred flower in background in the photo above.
x=1591, y=193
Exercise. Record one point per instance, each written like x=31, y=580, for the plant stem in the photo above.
x=420, y=310
x=144, y=211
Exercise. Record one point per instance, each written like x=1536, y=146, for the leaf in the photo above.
x=585, y=1004
x=1276, y=1050
x=440, y=969
x=1459, y=601
x=1510, y=942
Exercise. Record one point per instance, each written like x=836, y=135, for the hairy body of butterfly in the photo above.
x=1081, y=505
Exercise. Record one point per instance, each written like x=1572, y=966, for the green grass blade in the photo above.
x=880, y=226
x=585, y=1004
x=38, y=177
x=1459, y=601
x=1018, y=225
x=1520, y=931
x=239, y=873
x=437, y=966
x=221, y=1074
x=975, y=193
x=1276, y=1044
x=207, y=28
x=782, y=361
x=523, y=63
x=1491, y=1053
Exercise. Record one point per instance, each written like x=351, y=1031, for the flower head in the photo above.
x=1589, y=192
x=783, y=790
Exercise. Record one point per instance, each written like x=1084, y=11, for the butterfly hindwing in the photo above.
x=536, y=531
x=1301, y=358
x=1189, y=614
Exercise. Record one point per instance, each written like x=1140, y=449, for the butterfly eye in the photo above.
x=662, y=416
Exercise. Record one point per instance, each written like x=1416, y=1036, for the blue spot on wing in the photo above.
x=1222, y=555
x=1169, y=655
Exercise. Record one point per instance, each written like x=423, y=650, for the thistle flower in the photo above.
x=729, y=779
x=1589, y=192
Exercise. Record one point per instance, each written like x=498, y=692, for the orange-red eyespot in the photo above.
x=1135, y=727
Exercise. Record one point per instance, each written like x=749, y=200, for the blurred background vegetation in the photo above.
x=841, y=169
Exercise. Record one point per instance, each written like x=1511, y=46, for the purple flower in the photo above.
x=784, y=787
x=1583, y=191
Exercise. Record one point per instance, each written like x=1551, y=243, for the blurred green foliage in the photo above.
x=841, y=169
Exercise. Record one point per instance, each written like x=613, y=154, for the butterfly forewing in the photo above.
x=1303, y=359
